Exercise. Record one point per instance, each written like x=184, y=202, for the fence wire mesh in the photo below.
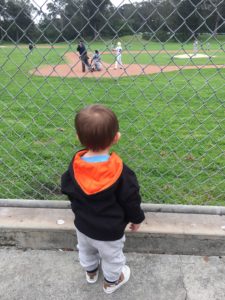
x=167, y=91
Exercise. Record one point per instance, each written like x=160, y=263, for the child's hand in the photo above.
x=134, y=227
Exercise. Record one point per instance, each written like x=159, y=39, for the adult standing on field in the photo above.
x=31, y=46
x=83, y=56
x=118, y=50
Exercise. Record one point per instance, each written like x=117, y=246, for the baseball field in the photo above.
x=171, y=113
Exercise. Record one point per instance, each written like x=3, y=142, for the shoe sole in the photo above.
x=91, y=281
x=118, y=286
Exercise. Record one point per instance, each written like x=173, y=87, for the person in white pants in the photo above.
x=118, y=50
x=105, y=198
x=91, y=251
x=195, y=47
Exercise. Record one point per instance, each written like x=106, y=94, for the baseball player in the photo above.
x=96, y=61
x=118, y=50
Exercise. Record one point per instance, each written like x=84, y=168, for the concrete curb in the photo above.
x=166, y=208
x=170, y=233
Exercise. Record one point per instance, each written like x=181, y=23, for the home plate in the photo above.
x=192, y=55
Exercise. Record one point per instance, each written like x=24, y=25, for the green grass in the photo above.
x=137, y=43
x=172, y=126
x=163, y=59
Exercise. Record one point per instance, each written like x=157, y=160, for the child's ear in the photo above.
x=117, y=137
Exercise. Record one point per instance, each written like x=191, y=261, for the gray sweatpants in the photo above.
x=110, y=253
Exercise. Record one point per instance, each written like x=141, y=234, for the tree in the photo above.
x=95, y=13
x=17, y=20
x=214, y=14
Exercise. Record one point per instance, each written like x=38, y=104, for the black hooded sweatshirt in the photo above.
x=104, y=196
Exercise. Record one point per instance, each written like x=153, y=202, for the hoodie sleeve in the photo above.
x=129, y=196
x=67, y=186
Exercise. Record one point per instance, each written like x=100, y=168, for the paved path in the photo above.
x=57, y=275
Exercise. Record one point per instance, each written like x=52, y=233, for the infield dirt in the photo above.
x=73, y=69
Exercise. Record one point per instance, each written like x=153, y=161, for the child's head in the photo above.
x=96, y=51
x=97, y=127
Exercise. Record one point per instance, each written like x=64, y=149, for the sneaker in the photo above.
x=109, y=288
x=92, y=277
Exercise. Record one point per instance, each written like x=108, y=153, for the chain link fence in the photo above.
x=168, y=92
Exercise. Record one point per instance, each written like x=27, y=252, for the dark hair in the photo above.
x=96, y=51
x=96, y=127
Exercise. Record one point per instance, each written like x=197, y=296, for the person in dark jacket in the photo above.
x=31, y=46
x=83, y=56
x=104, y=195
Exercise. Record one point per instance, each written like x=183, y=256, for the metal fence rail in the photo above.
x=168, y=92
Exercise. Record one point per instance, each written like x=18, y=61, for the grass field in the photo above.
x=172, y=124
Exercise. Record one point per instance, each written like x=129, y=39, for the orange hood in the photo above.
x=96, y=177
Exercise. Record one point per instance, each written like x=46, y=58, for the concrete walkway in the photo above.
x=57, y=275
x=50, y=272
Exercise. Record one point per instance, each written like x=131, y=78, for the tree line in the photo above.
x=66, y=20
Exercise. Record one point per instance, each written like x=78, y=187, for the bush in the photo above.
x=146, y=36
x=161, y=36
x=182, y=37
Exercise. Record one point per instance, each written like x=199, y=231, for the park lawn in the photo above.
x=164, y=59
x=136, y=43
x=171, y=124
x=151, y=52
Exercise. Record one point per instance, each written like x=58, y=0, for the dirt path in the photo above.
x=73, y=69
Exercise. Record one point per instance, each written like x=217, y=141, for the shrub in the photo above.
x=161, y=36
x=146, y=36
